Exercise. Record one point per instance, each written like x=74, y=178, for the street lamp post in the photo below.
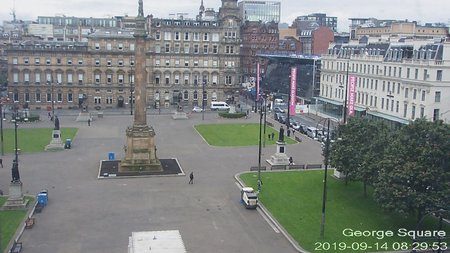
x=131, y=85
x=203, y=100
x=259, y=148
x=324, y=196
x=1, y=127
x=265, y=117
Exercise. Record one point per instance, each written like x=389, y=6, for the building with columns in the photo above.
x=183, y=56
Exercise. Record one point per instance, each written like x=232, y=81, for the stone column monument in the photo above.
x=140, y=149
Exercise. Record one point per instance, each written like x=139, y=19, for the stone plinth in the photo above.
x=84, y=117
x=140, y=151
x=15, y=199
x=280, y=157
x=56, y=142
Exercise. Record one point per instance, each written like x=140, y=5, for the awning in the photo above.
x=330, y=101
x=388, y=117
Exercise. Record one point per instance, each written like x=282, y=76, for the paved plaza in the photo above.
x=86, y=214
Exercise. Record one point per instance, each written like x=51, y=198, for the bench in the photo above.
x=313, y=166
x=296, y=167
x=278, y=167
x=29, y=223
x=255, y=168
x=16, y=248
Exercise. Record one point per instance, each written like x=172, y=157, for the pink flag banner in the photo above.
x=257, y=81
x=293, y=92
x=351, y=96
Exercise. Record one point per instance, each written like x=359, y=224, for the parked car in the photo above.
x=282, y=119
x=197, y=109
x=296, y=126
x=278, y=110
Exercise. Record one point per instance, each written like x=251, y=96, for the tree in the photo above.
x=345, y=153
x=414, y=172
x=372, y=150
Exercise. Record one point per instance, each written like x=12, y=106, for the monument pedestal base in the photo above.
x=84, y=117
x=179, y=115
x=55, y=143
x=280, y=157
x=15, y=201
x=140, y=151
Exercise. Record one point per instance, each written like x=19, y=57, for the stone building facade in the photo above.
x=182, y=57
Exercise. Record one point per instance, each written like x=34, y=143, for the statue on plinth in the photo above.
x=56, y=123
x=15, y=172
x=281, y=134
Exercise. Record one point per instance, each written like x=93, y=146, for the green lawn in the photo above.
x=31, y=140
x=227, y=135
x=9, y=223
x=295, y=199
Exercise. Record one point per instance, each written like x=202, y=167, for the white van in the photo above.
x=219, y=106
x=312, y=132
x=249, y=198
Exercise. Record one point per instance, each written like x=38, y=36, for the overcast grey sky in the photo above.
x=419, y=10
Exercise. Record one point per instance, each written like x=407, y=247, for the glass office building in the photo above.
x=266, y=11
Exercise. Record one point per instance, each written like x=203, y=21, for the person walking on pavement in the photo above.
x=191, y=178
x=291, y=161
x=272, y=135
x=1, y=162
x=89, y=122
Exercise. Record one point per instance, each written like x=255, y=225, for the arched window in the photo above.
x=186, y=95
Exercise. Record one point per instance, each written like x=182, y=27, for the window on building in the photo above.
x=167, y=48
x=435, y=114
x=26, y=60
x=69, y=78
x=69, y=97
x=37, y=61
x=97, y=62
x=215, y=49
x=196, y=49
x=206, y=37
x=397, y=106
x=59, y=97
x=196, y=36
x=382, y=103
x=167, y=36
x=405, y=110
x=80, y=62
x=205, y=49
x=167, y=63
x=37, y=78
x=59, y=78
x=186, y=36
x=186, y=63
x=120, y=78
x=177, y=36
x=97, y=78
x=48, y=61
x=132, y=47
x=414, y=93
x=422, y=112
x=157, y=79
x=157, y=62
x=214, y=79
x=425, y=74
x=423, y=95
x=80, y=78
x=228, y=80
x=97, y=46
x=186, y=79
x=26, y=77
x=38, y=96
x=15, y=77
x=416, y=74
x=15, y=61
x=58, y=61
x=437, y=96
x=109, y=78
x=158, y=35
x=177, y=79
x=186, y=48
x=120, y=63
x=49, y=96
x=215, y=37
x=439, y=75
x=167, y=78
x=177, y=48
x=108, y=46
x=120, y=46
x=195, y=63
x=109, y=100
x=109, y=63
x=413, y=112
x=406, y=92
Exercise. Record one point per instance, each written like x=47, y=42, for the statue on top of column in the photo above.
x=141, y=9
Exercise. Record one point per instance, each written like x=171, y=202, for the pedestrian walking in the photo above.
x=191, y=178
x=272, y=135
x=49, y=115
x=89, y=122
x=1, y=162
x=291, y=161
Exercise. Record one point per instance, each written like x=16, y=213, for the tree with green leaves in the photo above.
x=345, y=154
x=414, y=174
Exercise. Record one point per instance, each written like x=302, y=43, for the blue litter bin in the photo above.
x=68, y=144
x=42, y=198
x=111, y=156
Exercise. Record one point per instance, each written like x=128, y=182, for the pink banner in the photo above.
x=293, y=92
x=351, y=96
x=257, y=81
